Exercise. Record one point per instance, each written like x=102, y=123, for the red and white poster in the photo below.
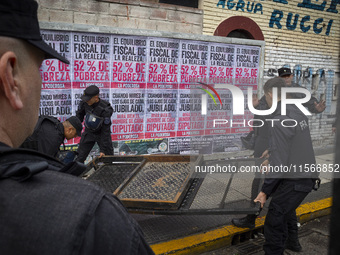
x=128, y=87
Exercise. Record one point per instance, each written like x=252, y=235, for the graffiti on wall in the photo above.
x=320, y=84
x=242, y=6
x=292, y=21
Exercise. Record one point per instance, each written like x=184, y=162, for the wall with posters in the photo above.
x=155, y=84
x=301, y=34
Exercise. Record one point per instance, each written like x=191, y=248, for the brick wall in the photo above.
x=302, y=47
x=139, y=14
x=313, y=50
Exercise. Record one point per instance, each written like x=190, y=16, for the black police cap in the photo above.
x=90, y=92
x=284, y=71
x=75, y=122
x=18, y=19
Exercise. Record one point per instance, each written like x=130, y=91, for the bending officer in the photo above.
x=49, y=134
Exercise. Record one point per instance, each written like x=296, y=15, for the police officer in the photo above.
x=97, y=113
x=261, y=144
x=43, y=210
x=50, y=133
x=290, y=145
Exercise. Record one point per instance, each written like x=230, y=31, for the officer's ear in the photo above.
x=9, y=80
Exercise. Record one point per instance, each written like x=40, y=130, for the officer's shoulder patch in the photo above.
x=107, y=121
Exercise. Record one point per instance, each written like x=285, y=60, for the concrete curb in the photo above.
x=223, y=236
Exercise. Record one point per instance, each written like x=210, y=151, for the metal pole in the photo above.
x=334, y=245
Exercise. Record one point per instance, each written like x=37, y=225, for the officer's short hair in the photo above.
x=276, y=82
x=74, y=122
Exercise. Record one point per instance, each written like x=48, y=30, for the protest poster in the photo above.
x=155, y=86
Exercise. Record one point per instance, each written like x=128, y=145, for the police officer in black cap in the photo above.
x=97, y=113
x=290, y=146
x=261, y=144
x=50, y=133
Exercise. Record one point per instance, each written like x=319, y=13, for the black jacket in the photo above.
x=310, y=105
x=44, y=211
x=101, y=109
x=47, y=137
x=261, y=133
x=291, y=147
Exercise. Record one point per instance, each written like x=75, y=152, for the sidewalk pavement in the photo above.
x=200, y=234
x=313, y=235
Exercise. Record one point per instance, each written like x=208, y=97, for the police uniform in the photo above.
x=47, y=137
x=291, y=147
x=260, y=145
x=97, y=125
x=57, y=213
x=261, y=133
x=49, y=134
